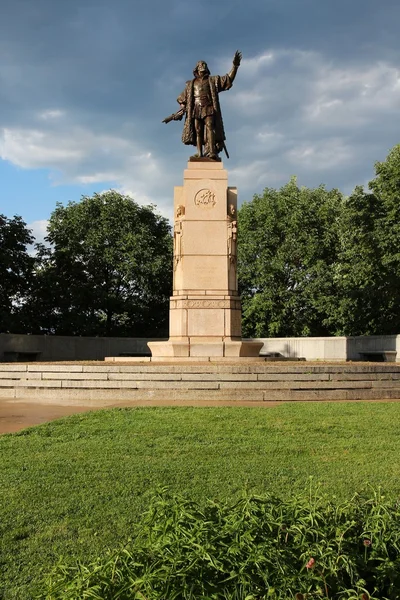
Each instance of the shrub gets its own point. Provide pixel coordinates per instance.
(303, 548)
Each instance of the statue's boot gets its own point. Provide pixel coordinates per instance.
(199, 145)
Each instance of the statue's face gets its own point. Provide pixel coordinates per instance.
(202, 67)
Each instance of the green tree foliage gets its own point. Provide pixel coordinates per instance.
(107, 271)
(312, 262)
(368, 275)
(287, 253)
(386, 188)
(359, 276)
(16, 269)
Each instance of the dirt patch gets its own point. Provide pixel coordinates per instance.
(15, 416)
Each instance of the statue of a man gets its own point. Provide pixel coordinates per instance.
(204, 127)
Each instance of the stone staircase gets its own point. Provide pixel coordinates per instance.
(104, 384)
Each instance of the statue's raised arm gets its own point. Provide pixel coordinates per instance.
(236, 64)
(200, 103)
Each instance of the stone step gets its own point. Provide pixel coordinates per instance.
(7, 379)
(111, 397)
(348, 369)
(245, 382)
(177, 381)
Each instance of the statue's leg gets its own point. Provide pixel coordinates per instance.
(209, 124)
(199, 136)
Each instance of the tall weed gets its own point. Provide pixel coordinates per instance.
(305, 548)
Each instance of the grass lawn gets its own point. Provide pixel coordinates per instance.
(77, 485)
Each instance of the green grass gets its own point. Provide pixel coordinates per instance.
(74, 486)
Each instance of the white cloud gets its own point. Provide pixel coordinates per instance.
(81, 156)
(33, 149)
(321, 155)
(39, 230)
(297, 113)
(75, 151)
(290, 112)
(250, 67)
(354, 96)
(262, 173)
(51, 114)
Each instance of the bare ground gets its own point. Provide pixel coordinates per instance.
(16, 415)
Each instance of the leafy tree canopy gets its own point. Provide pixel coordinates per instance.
(107, 271)
(287, 252)
(16, 270)
(368, 274)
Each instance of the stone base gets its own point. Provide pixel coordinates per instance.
(204, 349)
(205, 313)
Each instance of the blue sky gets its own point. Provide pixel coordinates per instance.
(85, 84)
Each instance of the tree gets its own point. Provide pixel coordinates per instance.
(386, 189)
(108, 269)
(314, 263)
(16, 271)
(287, 252)
(359, 276)
(368, 276)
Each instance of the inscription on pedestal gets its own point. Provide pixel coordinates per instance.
(205, 199)
(205, 303)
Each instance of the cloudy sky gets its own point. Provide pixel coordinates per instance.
(85, 84)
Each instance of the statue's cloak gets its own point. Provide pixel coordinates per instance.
(218, 84)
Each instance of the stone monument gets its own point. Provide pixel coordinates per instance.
(205, 312)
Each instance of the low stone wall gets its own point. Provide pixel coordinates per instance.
(331, 348)
(358, 345)
(70, 348)
(55, 347)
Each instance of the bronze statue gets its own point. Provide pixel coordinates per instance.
(204, 127)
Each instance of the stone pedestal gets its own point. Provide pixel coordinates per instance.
(205, 313)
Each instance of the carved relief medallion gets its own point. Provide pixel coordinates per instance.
(205, 199)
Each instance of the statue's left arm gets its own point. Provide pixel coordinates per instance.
(236, 64)
(225, 82)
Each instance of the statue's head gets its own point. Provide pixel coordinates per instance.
(201, 69)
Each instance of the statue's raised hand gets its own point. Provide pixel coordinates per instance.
(237, 58)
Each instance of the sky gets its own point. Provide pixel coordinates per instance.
(85, 84)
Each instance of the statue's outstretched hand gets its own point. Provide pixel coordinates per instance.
(237, 58)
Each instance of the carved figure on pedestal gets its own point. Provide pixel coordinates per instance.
(177, 242)
(180, 211)
(204, 126)
(232, 240)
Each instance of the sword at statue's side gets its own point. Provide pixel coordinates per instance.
(178, 116)
(226, 151)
